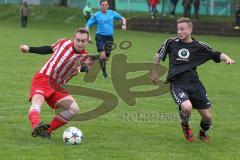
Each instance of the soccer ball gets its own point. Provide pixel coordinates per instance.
(72, 135)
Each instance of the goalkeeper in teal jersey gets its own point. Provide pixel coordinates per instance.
(87, 11)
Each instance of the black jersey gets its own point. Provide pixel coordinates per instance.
(185, 57)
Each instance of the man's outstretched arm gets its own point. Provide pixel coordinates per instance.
(225, 58)
(124, 24)
(38, 50)
(154, 74)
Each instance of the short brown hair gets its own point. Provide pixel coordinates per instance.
(102, 1)
(83, 30)
(185, 20)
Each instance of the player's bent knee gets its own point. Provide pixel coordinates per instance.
(74, 109)
(186, 106)
(38, 99)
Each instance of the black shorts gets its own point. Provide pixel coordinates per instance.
(193, 91)
(104, 43)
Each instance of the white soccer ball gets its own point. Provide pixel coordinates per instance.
(72, 135)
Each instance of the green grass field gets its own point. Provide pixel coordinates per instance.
(113, 135)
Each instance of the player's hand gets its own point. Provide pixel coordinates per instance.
(154, 78)
(94, 57)
(124, 27)
(102, 55)
(24, 48)
(90, 40)
(230, 61)
(89, 37)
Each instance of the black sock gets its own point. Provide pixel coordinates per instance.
(204, 126)
(103, 65)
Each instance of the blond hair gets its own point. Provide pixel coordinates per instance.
(185, 20)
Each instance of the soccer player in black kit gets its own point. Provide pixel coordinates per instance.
(185, 54)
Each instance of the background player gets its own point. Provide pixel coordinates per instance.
(104, 33)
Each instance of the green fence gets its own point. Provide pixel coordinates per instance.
(11, 1)
(208, 7)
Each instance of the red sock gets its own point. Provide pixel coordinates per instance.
(57, 122)
(34, 118)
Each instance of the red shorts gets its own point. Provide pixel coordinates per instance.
(43, 85)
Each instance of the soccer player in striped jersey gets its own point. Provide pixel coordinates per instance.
(69, 57)
(185, 55)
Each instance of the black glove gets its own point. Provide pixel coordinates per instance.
(84, 68)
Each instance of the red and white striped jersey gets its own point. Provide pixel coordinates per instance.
(64, 62)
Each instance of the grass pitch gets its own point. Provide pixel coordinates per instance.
(127, 132)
